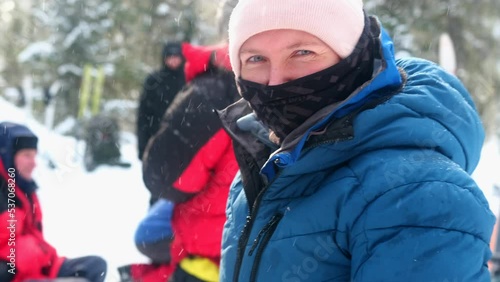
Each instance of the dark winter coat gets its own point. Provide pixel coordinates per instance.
(158, 92)
(376, 189)
(21, 236)
(191, 162)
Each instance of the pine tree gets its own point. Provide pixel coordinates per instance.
(125, 36)
(17, 34)
(78, 33)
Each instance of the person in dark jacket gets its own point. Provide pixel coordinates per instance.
(371, 179)
(24, 253)
(158, 92)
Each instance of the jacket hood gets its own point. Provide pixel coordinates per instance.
(9, 134)
(433, 111)
(200, 59)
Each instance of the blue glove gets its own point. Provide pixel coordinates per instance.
(157, 225)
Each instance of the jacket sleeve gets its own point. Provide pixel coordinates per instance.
(32, 255)
(432, 231)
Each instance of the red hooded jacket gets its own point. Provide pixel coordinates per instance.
(21, 237)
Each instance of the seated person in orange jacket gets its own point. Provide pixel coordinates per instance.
(24, 253)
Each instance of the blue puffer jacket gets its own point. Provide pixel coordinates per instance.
(389, 198)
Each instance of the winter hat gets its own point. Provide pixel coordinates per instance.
(24, 142)
(172, 49)
(338, 23)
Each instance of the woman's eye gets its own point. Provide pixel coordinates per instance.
(303, 52)
(255, 59)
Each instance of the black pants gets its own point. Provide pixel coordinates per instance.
(5, 276)
(92, 268)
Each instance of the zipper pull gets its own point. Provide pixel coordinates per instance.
(273, 220)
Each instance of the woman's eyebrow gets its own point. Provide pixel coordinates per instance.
(302, 45)
(249, 51)
(252, 51)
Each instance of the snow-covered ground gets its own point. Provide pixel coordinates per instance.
(97, 213)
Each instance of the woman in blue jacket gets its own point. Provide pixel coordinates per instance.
(365, 175)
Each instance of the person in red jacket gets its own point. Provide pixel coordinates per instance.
(190, 162)
(24, 253)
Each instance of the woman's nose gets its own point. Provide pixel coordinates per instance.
(277, 75)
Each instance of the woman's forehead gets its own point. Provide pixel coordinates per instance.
(284, 38)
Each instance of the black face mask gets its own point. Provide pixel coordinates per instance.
(285, 107)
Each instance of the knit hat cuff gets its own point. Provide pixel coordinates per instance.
(24, 142)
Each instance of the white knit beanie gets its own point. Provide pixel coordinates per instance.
(338, 23)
